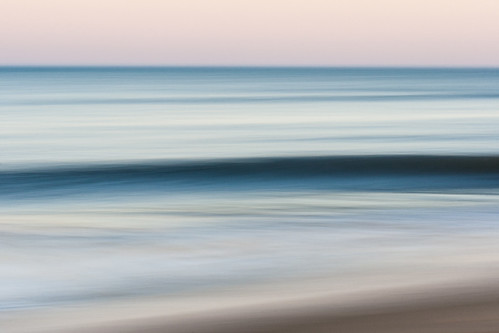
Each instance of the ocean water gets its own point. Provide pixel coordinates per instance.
(128, 183)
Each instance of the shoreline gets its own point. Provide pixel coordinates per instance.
(472, 316)
(465, 316)
(456, 308)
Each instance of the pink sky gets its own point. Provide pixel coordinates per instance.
(250, 32)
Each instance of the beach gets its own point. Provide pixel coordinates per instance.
(455, 308)
(463, 316)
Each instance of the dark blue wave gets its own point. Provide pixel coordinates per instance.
(346, 172)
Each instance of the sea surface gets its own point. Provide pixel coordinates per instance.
(127, 183)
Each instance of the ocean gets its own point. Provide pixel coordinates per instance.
(127, 184)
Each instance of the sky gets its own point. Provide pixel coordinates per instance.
(250, 32)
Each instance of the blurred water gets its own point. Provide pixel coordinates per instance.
(131, 182)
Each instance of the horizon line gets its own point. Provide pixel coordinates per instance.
(250, 66)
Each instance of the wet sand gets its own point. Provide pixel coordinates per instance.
(457, 312)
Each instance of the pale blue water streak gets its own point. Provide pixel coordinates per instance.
(129, 182)
(73, 114)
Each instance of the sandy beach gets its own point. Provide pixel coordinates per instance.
(457, 309)
(471, 315)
